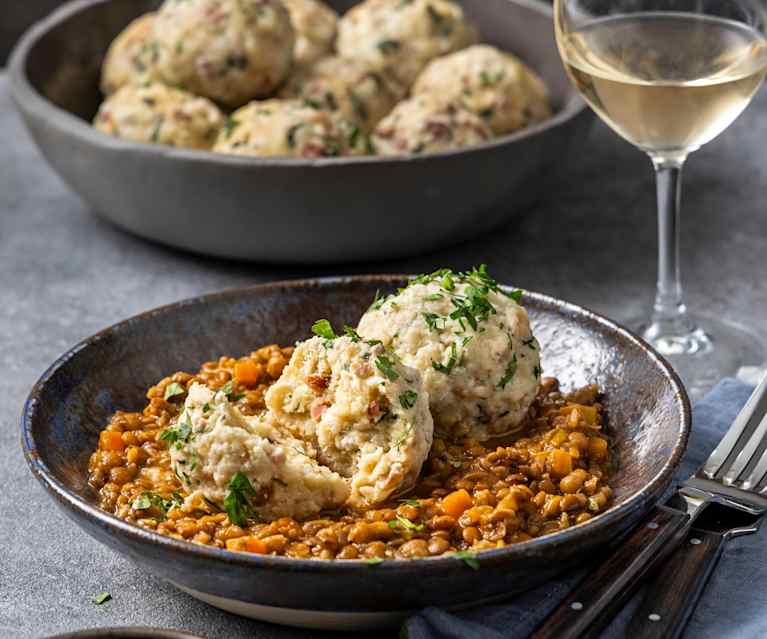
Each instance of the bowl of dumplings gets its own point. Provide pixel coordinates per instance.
(300, 131)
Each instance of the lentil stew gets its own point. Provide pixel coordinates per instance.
(470, 496)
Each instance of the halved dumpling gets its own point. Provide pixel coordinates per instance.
(365, 412)
(247, 465)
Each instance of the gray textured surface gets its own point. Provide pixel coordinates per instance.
(64, 275)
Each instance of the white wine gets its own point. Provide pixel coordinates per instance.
(667, 82)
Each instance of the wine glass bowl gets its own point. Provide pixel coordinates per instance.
(669, 76)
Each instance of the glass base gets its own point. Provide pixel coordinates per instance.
(703, 350)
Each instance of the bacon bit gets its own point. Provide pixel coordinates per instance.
(362, 369)
(318, 407)
(318, 383)
(374, 409)
(438, 130)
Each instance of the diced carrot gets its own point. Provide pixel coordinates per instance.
(247, 372)
(561, 462)
(456, 502)
(111, 440)
(587, 413)
(559, 436)
(597, 448)
(246, 544)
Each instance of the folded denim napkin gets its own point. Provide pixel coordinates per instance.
(734, 603)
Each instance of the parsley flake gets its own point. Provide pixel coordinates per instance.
(469, 558)
(508, 374)
(101, 598)
(408, 399)
(173, 389)
(322, 328)
(386, 366)
(388, 46)
(353, 335)
(237, 501)
(405, 523)
(451, 362)
(411, 502)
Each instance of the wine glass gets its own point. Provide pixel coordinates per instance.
(669, 76)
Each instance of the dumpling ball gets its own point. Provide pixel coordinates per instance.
(246, 465)
(365, 412)
(472, 344)
(131, 57)
(230, 51)
(315, 25)
(496, 86)
(288, 128)
(403, 34)
(361, 94)
(160, 115)
(425, 125)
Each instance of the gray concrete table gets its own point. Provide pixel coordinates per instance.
(64, 275)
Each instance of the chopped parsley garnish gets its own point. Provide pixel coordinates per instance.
(469, 558)
(386, 366)
(433, 321)
(516, 295)
(374, 561)
(322, 328)
(451, 362)
(408, 399)
(537, 371)
(530, 343)
(403, 438)
(378, 301)
(205, 408)
(237, 501)
(229, 126)
(353, 335)
(173, 389)
(178, 434)
(149, 499)
(447, 282)
(433, 297)
(508, 374)
(388, 46)
(101, 598)
(228, 390)
(411, 502)
(405, 523)
(489, 79)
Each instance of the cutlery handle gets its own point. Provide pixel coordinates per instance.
(601, 594)
(674, 590)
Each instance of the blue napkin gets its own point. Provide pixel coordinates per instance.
(734, 603)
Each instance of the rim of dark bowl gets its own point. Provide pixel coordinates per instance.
(125, 632)
(567, 536)
(25, 93)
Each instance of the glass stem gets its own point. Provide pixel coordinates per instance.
(669, 318)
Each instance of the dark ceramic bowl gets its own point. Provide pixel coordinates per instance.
(648, 411)
(287, 210)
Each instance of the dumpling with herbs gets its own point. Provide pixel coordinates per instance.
(473, 345)
(289, 128)
(365, 412)
(494, 85)
(160, 115)
(246, 465)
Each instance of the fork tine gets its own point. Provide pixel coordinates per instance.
(757, 402)
(759, 471)
(746, 455)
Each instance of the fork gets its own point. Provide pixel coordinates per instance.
(730, 484)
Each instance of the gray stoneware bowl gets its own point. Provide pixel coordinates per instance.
(126, 632)
(287, 210)
(648, 412)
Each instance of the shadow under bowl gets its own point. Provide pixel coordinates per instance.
(648, 411)
(288, 210)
